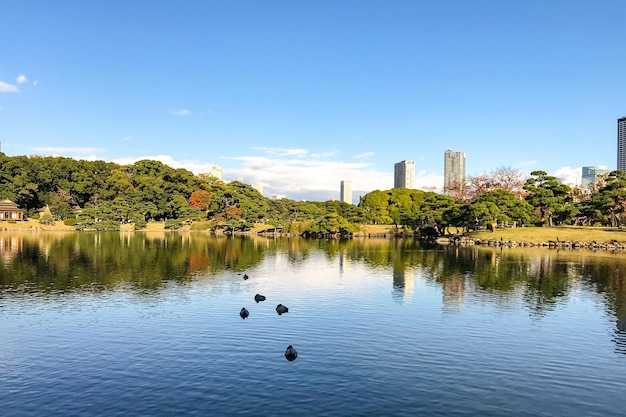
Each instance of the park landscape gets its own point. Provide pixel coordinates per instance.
(58, 193)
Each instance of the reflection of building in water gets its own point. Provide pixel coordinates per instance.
(453, 290)
(344, 262)
(403, 286)
(10, 246)
(541, 266)
(620, 332)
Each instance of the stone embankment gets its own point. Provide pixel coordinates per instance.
(557, 244)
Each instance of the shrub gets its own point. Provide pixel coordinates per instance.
(69, 222)
(205, 225)
(173, 224)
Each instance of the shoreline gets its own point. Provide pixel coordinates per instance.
(551, 244)
(563, 237)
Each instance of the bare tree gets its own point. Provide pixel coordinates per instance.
(507, 178)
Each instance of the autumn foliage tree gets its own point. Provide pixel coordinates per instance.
(200, 200)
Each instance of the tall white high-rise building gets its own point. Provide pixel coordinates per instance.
(259, 187)
(404, 174)
(215, 171)
(453, 170)
(621, 144)
(345, 192)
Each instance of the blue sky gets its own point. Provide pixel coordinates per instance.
(299, 95)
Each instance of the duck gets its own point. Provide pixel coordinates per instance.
(291, 354)
(280, 309)
(244, 313)
(259, 297)
(245, 276)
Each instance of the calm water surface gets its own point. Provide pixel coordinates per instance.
(148, 324)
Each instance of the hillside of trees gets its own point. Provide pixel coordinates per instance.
(103, 195)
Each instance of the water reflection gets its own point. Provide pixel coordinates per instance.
(541, 280)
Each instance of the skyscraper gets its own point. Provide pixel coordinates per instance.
(590, 176)
(404, 174)
(215, 171)
(453, 170)
(345, 193)
(621, 143)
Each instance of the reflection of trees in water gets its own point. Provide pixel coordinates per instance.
(49, 262)
(504, 275)
(607, 276)
(540, 279)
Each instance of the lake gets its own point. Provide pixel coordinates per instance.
(147, 324)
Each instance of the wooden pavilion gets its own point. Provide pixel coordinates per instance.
(10, 211)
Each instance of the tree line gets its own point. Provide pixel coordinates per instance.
(104, 195)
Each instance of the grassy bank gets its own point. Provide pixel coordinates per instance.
(521, 234)
(562, 233)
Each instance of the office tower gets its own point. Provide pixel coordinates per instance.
(404, 174)
(453, 170)
(215, 171)
(345, 192)
(590, 176)
(621, 144)
(259, 187)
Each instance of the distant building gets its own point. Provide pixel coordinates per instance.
(621, 144)
(10, 211)
(404, 174)
(259, 187)
(345, 192)
(590, 176)
(215, 171)
(453, 170)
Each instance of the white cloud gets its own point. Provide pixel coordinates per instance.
(282, 151)
(181, 112)
(324, 154)
(292, 173)
(364, 155)
(526, 163)
(568, 175)
(87, 154)
(36, 82)
(191, 165)
(21, 79)
(127, 138)
(8, 88)
(319, 180)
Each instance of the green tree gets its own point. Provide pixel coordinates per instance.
(609, 203)
(551, 200)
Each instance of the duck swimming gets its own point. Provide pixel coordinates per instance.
(245, 276)
(244, 313)
(280, 309)
(291, 354)
(259, 297)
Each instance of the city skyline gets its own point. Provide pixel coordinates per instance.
(296, 96)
